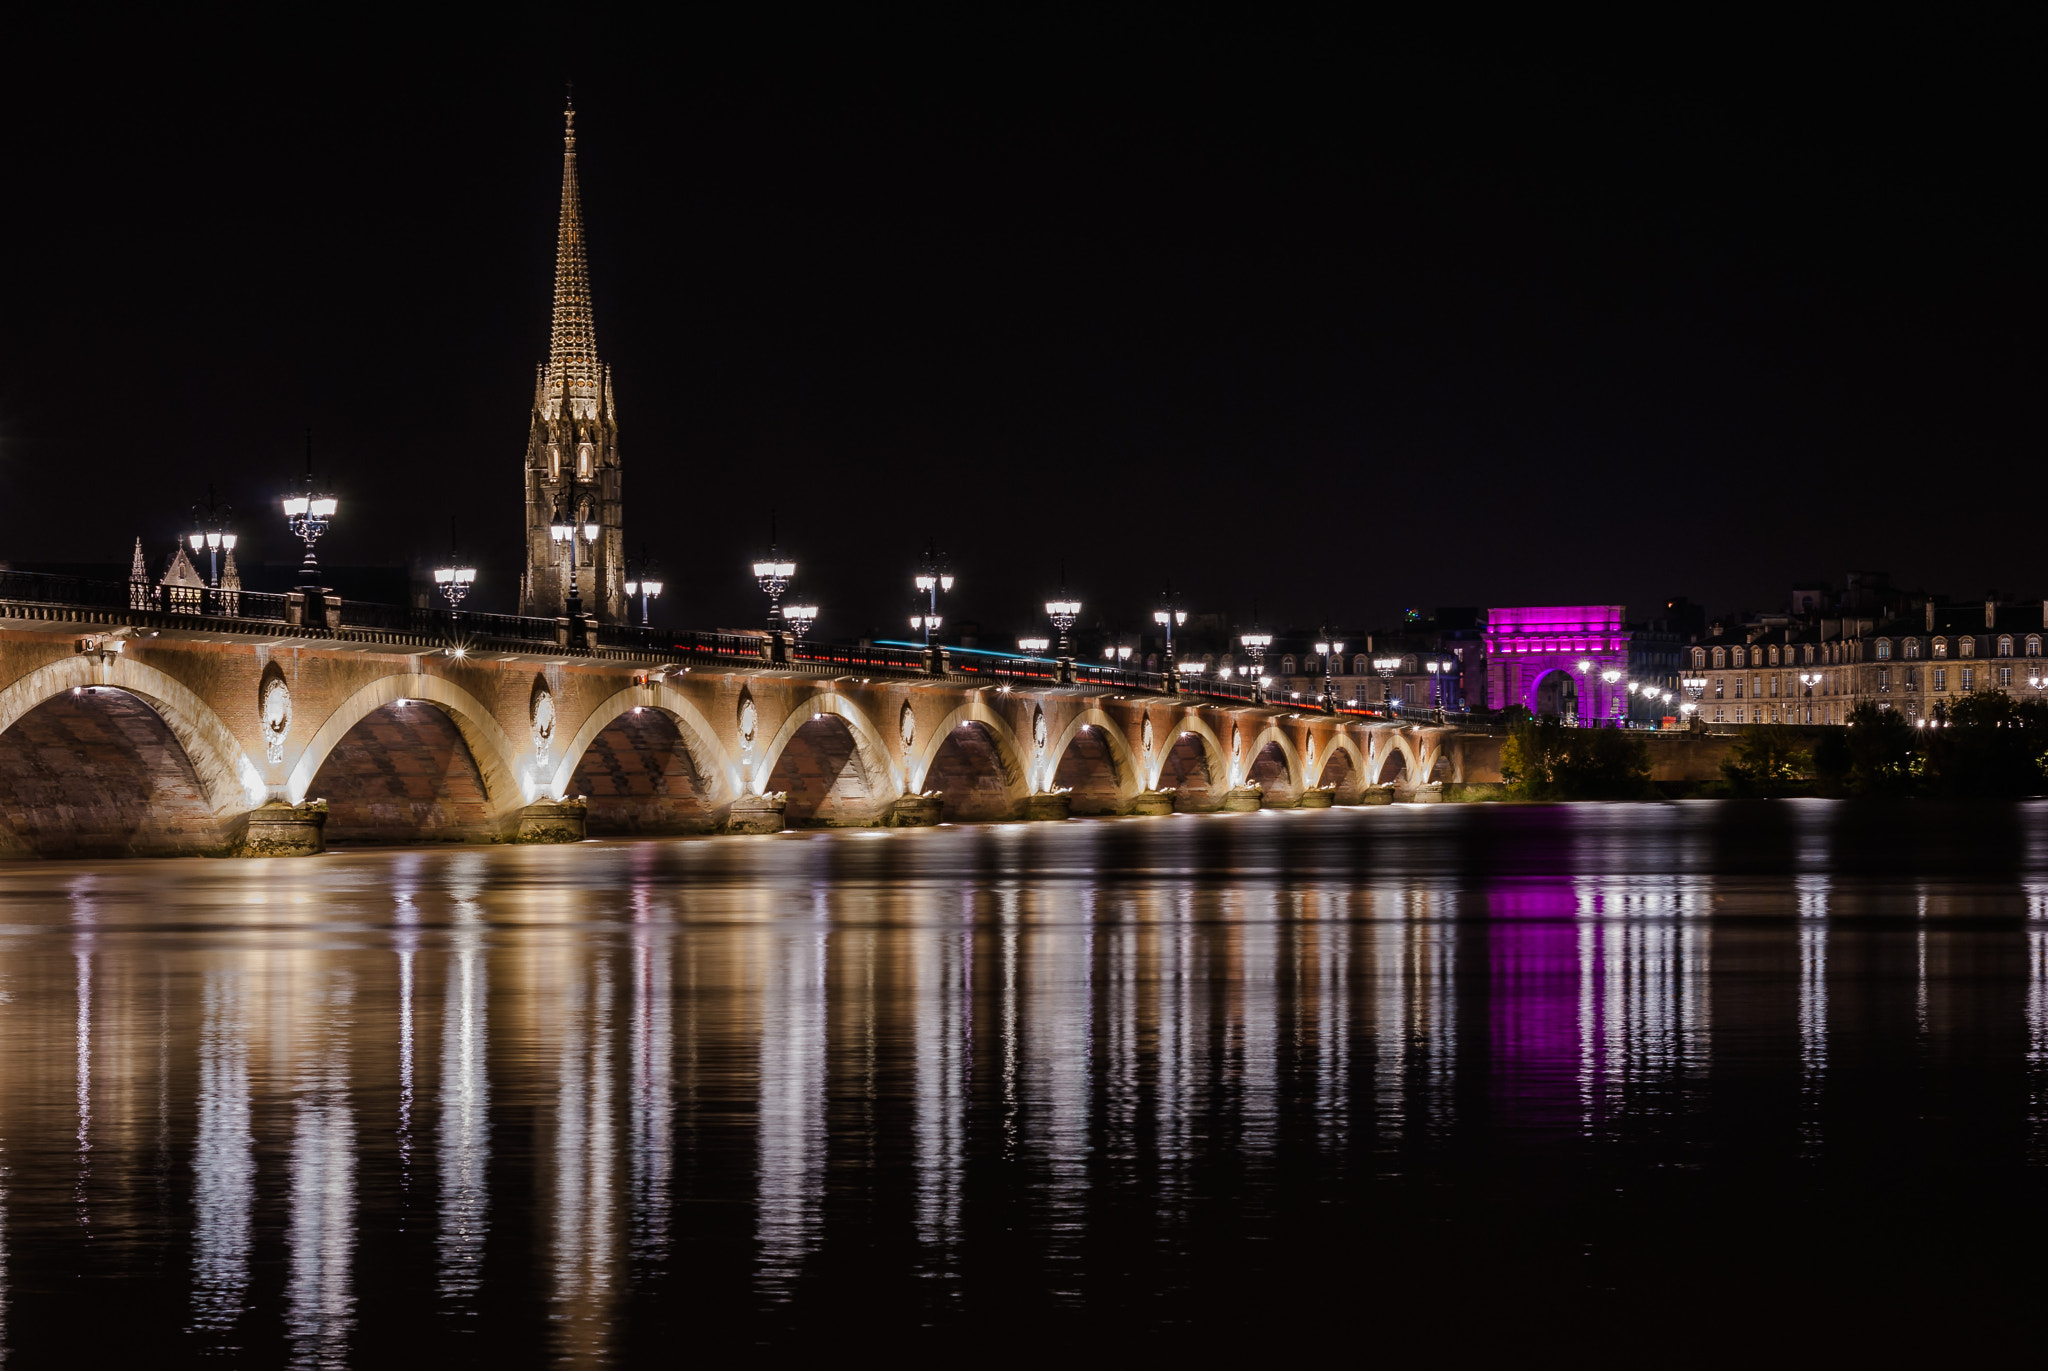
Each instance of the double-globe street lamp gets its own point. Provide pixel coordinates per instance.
(1169, 616)
(1256, 643)
(934, 574)
(1329, 649)
(1063, 613)
(1612, 676)
(308, 514)
(454, 577)
(210, 531)
(773, 574)
(644, 580)
(1694, 686)
(1386, 667)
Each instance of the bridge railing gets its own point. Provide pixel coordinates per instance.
(851, 657)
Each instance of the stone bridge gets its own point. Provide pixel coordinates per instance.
(147, 733)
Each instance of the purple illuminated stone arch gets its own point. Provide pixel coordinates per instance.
(1526, 643)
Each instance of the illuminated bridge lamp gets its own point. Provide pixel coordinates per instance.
(308, 514)
(210, 531)
(800, 619)
(934, 574)
(773, 574)
(1063, 613)
(1386, 667)
(1328, 651)
(1611, 675)
(1169, 615)
(1033, 645)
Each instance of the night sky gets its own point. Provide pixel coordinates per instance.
(1330, 319)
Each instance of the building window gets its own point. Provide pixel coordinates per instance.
(1912, 648)
(1884, 649)
(1720, 659)
(1717, 690)
(2005, 646)
(1912, 677)
(2033, 646)
(1740, 658)
(1699, 658)
(2004, 677)
(1718, 716)
(1941, 678)
(583, 460)
(1359, 665)
(554, 462)
(1286, 666)
(1913, 709)
(1941, 647)
(1738, 687)
(1969, 680)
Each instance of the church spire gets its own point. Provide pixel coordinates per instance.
(572, 351)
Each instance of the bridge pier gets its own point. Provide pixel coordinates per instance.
(552, 821)
(285, 830)
(1316, 798)
(1244, 799)
(1153, 802)
(756, 814)
(1056, 805)
(915, 811)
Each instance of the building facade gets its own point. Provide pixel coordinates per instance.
(572, 446)
(1917, 664)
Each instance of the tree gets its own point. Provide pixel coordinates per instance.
(1766, 761)
(1989, 746)
(1877, 754)
(1544, 760)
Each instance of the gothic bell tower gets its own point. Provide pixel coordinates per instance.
(572, 447)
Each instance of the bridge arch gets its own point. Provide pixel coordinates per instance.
(1340, 744)
(1386, 744)
(508, 784)
(1122, 762)
(1214, 756)
(1291, 769)
(228, 780)
(882, 778)
(1008, 756)
(699, 738)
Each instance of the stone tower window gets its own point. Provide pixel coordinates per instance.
(583, 461)
(554, 462)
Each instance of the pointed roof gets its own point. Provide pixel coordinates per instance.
(572, 344)
(138, 570)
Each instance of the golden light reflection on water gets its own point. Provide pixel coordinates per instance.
(564, 1071)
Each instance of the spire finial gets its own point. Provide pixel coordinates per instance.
(572, 344)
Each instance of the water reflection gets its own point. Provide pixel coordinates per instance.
(967, 1074)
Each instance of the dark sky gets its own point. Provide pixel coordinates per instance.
(1340, 318)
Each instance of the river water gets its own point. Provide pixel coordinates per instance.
(1613, 1076)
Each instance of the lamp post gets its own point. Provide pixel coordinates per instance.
(1612, 675)
(210, 531)
(773, 574)
(1036, 646)
(308, 514)
(1169, 615)
(1386, 666)
(454, 577)
(934, 574)
(1328, 651)
(1809, 679)
(573, 524)
(1256, 643)
(1694, 686)
(646, 583)
(1063, 613)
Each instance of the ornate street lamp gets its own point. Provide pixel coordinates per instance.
(308, 514)
(800, 618)
(773, 574)
(1035, 646)
(1386, 667)
(1809, 679)
(646, 583)
(573, 523)
(934, 574)
(210, 531)
(1328, 650)
(1063, 613)
(1611, 675)
(455, 576)
(1694, 686)
(1169, 615)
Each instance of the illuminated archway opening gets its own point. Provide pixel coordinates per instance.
(1394, 770)
(1268, 771)
(402, 774)
(1341, 773)
(1088, 768)
(1185, 770)
(968, 770)
(96, 773)
(640, 778)
(821, 773)
(1557, 696)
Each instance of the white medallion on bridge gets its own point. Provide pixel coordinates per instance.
(543, 722)
(909, 726)
(1236, 756)
(1148, 740)
(277, 717)
(1038, 733)
(1311, 767)
(750, 723)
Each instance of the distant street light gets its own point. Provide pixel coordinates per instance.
(1033, 645)
(800, 618)
(455, 576)
(1063, 613)
(1611, 675)
(773, 574)
(934, 574)
(646, 584)
(1328, 650)
(1169, 616)
(1386, 667)
(210, 531)
(308, 514)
